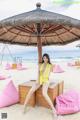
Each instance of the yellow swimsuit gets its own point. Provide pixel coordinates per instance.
(44, 77)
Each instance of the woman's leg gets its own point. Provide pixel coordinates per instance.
(32, 90)
(45, 94)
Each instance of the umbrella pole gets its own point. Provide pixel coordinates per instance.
(39, 44)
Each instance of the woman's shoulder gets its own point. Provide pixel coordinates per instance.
(50, 64)
(51, 67)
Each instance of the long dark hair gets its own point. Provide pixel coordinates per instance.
(47, 56)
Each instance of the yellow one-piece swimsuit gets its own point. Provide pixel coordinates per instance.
(44, 77)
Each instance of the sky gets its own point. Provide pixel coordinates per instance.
(12, 7)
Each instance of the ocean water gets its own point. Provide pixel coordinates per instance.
(32, 56)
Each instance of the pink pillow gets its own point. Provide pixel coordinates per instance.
(71, 64)
(2, 77)
(8, 66)
(20, 67)
(9, 95)
(57, 69)
(68, 103)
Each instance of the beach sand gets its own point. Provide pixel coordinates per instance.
(71, 78)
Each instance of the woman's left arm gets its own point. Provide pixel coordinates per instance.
(51, 70)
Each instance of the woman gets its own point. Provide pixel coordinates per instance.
(43, 79)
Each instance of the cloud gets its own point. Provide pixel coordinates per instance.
(20, 49)
(12, 7)
(63, 3)
(6, 49)
(73, 11)
(71, 46)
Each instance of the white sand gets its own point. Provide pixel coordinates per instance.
(71, 78)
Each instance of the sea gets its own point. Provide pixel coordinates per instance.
(32, 56)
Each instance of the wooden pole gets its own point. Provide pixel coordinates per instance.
(39, 43)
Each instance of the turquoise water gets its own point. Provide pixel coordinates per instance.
(33, 55)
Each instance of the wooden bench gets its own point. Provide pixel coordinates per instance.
(23, 91)
(54, 90)
(60, 87)
(14, 66)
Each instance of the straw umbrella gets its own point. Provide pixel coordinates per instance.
(38, 28)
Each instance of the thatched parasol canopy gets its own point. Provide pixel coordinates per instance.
(39, 27)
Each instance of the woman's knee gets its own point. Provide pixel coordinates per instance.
(45, 89)
(44, 92)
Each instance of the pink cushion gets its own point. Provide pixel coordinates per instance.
(20, 67)
(68, 103)
(8, 66)
(9, 95)
(71, 64)
(57, 69)
(2, 77)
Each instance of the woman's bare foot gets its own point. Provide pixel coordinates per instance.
(55, 116)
